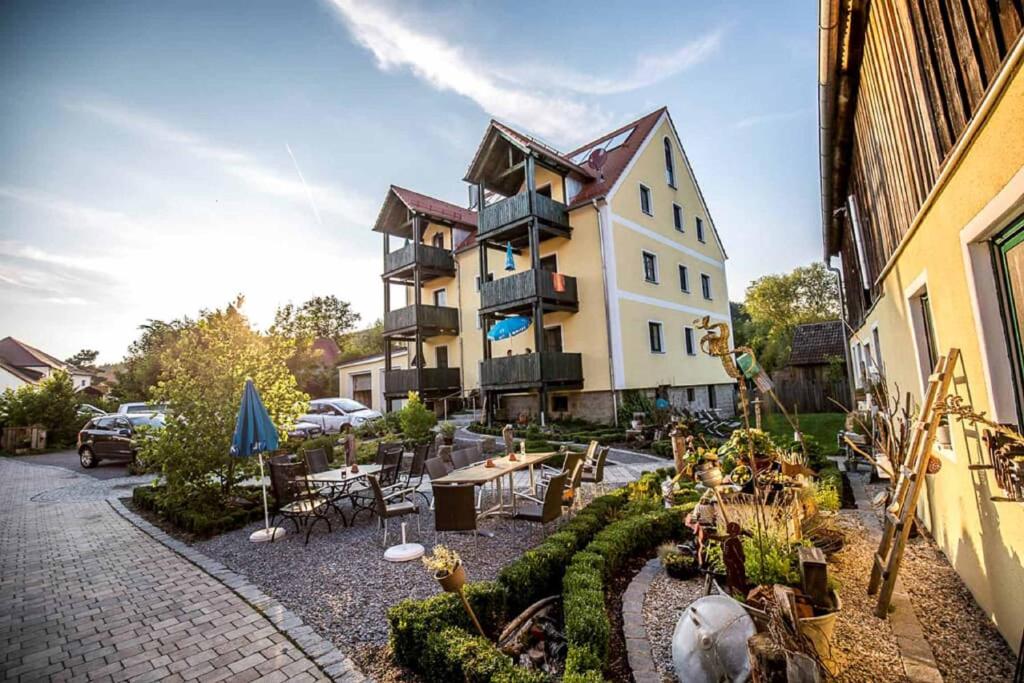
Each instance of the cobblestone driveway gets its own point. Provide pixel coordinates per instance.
(87, 596)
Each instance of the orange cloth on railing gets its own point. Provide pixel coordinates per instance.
(558, 280)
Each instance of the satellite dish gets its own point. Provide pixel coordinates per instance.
(597, 158)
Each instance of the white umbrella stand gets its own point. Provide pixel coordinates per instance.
(268, 533)
(404, 552)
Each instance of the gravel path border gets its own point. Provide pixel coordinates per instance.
(638, 646)
(324, 654)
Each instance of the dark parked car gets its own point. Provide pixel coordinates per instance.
(113, 437)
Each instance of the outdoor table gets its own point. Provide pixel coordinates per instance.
(338, 480)
(480, 474)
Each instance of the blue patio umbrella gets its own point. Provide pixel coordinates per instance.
(509, 327)
(510, 263)
(255, 433)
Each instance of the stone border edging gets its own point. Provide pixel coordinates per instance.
(638, 646)
(331, 661)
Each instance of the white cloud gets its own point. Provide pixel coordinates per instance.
(772, 117)
(72, 213)
(254, 174)
(532, 96)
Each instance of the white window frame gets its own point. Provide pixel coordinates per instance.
(439, 291)
(876, 341)
(684, 269)
(681, 226)
(650, 200)
(657, 268)
(916, 321)
(698, 227)
(661, 336)
(670, 162)
(709, 295)
(689, 341)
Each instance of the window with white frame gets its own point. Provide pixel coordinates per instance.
(705, 285)
(650, 266)
(684, 278)
(670, 167)
(699, 222)
(646, 201)
(677, 217)
(656, 337)
(691, 346)
(879, 365)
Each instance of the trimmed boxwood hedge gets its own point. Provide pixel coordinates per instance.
(201, 520)
(435, 636)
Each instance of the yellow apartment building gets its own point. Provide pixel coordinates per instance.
(922, 166)
(609, 247)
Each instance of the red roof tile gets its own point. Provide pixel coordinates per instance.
(435, 207)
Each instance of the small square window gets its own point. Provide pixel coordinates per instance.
(700, 229)
(559, 404)
(650, 267)
(684, 278)
(691, 347)
(656, 339)
(677, 217)
(705, 286)
(646, 205)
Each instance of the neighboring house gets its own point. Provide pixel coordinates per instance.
(362, 379)
(922, 164)
(814, 379)
(614, 252)
(35, 365)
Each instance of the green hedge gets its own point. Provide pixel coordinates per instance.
(200, 518)
(415, 624)
(587, 627)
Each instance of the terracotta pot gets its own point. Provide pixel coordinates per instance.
(820, 631)
(711, 476)
(453, 582)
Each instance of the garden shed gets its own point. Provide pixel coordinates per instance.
(815, 378)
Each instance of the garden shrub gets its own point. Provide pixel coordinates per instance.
(416, 420)
(327, 442)
(452, 654)
(203, 516)
(52, 404)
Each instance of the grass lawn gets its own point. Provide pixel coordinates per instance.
(822, 426)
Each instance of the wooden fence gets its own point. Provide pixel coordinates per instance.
(810, 389)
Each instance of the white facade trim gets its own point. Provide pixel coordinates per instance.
(646, 232)
(917, 327)
(604, 223)
(671, 305)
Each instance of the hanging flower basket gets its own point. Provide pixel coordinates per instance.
(453, 581)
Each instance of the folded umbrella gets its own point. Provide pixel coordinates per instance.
(255, 433)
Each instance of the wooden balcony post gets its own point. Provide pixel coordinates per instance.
(417, 234)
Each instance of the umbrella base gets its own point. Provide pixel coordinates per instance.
(265, 535)
(406, 552)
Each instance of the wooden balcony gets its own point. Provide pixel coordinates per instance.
(434, 382)
(509, 219)
(433, 262)
(552, 369)
(518, 292)
(430, 321)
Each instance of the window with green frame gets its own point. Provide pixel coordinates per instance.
(1008, 254)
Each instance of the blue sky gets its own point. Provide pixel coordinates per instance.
(160, 158)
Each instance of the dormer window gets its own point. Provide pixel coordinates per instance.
(670, 167)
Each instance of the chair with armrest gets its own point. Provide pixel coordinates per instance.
(595, 475)
(391, 503)
(454, 508)
(296, 499)
(543, 510)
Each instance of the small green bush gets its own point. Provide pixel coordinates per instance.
(417, 421)
(452, 654)
(203, 516)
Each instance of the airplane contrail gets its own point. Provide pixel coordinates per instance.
(309, 193)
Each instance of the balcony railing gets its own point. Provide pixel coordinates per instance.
(523, 288)
(435, 381)
(433, 320)
(552, 368)
(433, 259)
(516, 208)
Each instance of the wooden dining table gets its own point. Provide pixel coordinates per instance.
(480, 474)
(342, 475)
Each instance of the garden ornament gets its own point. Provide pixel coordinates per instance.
(709, 644)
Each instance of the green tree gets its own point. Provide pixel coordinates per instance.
(85, 358)
(51, 404)
(321, 316)
(416, 419)
(778, 303)
(203, 374)
(143, 365)
(365, 342)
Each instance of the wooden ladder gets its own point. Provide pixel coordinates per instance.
(899, 515)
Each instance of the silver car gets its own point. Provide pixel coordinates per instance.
(335, 415)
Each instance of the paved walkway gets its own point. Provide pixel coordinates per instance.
(85, 595)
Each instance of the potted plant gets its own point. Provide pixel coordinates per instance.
(447, 431)
(677, 564)
(447, 567)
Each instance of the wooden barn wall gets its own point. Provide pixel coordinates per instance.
(809, 389)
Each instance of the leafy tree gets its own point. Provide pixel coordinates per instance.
(416, 419)
(321, 316)
(142, 367)
(742, 332)
(51, 404)
(365, 342)
(776, 304)
(83, 359)
(202, 376)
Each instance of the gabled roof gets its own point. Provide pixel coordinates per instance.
(21, 355)
(24, 374)
(399, 201)
(618, 158)
(816, 343)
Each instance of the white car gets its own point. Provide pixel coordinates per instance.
(336, 415)
(141, 407)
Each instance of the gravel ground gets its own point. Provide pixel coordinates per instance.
(665, 601)
(341, 585)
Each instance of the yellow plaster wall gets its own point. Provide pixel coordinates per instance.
(983, 540)
(375, 367)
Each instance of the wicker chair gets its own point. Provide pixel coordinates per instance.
(394, 503)
(296, 499)
(542, 510)
(413, 477)
(316, 460)
(461, 458)
(572, 458)
(595, 475)
(389, 457)
(454, 509)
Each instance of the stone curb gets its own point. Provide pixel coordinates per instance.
(331, 661)
(638, 646)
